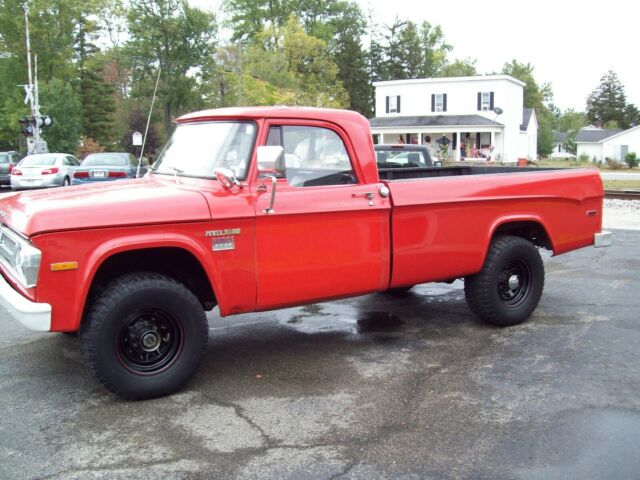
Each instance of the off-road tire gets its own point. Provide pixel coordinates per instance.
(130, 311)
(489, 293)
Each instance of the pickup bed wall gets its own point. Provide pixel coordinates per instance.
(441, 227)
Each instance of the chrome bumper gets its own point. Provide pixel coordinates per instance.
(602, 239)
(34, 316)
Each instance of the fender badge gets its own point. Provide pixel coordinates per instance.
(222, 233)
(224, 243)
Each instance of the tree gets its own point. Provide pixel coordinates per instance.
(178, 39)
(434, 50)
(392, 67)
(608, 102)
(569, 122)
(460, 68)
(62, 103)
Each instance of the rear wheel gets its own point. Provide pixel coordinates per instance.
(144, 336)
(508, 288)
(66, 182)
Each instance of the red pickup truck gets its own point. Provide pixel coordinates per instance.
(255, 209)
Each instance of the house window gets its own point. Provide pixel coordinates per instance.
(393, 104)
(439, 102)
(485, 101)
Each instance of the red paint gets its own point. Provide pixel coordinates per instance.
(322, 242)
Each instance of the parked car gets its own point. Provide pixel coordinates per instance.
(8, 160)
(101, 167)
(223, 220)
(44, 170)
(403, 156)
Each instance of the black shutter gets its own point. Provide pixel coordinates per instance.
(479, 101)
(387, 104)
(454, 144)
(444, 102)
(491, 101)
(398, 104)
(478, 140)
(433, 102)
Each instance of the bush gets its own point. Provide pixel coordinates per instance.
(631, 159)
(583, 158)
(614, 164)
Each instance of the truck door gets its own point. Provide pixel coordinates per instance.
(328, 234)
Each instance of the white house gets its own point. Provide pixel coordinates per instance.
(460, 117)
(600, 143)
(559, 150)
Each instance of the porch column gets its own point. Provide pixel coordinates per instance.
(493, 145)
(458, 153)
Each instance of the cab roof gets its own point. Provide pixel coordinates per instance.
(308, 113)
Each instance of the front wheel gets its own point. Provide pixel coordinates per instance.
(144, 336)
(508, 288)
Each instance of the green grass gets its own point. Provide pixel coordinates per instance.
(621, 184)
(548, 162)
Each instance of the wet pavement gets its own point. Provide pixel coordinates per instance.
(408, 386)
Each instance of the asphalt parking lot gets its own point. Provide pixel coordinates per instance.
(367, 388)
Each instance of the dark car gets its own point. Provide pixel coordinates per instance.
(8, 160)
(401, 156)
(102, 167)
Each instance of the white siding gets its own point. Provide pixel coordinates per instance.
(629, 138)
(593, 150)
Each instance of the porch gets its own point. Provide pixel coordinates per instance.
(449, 138)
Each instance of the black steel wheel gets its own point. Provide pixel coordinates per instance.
(150, 341)
(144, 335)
(508, 288)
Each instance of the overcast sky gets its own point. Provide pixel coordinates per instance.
(570, 43)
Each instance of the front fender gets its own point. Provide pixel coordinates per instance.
(231, 274)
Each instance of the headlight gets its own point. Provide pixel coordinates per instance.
(19, 257)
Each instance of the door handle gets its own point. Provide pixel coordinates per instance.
(368, 195)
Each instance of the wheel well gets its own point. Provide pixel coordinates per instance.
(173, 262)
(529, 230)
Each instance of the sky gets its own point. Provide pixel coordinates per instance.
(570, 43)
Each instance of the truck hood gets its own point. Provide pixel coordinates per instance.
(109, 204)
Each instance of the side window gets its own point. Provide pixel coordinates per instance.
(314, 156)
(68, 162)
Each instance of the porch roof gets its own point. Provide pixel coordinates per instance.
(433, 121)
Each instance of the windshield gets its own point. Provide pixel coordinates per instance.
(401, 158)
(38, 160)
(197, 149)
(106, 159)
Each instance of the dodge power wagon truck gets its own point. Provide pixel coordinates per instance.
(254, 209)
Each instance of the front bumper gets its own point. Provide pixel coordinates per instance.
(34, 316)
(602, 239)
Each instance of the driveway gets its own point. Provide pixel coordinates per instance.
(374, 387)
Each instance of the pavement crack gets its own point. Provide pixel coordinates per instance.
(240, 412)
(344, 471)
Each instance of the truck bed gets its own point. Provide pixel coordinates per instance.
(408, 173)
(441, 228)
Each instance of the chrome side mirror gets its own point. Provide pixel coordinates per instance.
(226, 177)
(271, 161)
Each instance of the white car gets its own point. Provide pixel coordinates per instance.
(44, 170)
